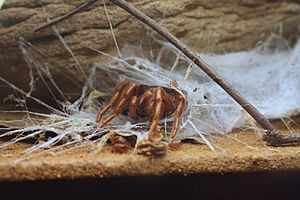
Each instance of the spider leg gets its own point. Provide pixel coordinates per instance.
(144, 97)
(136, 103)
(178, 113)
(112, 100)
(152, 136)
(144, 108)
(133, 107)
(119, 107)
(168, 101)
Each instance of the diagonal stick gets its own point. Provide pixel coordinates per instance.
(272, 137)
(62, 18)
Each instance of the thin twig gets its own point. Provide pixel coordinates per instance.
(62, 18)
(273, 136)
(112, 30)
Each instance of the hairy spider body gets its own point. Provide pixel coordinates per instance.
(144, 101)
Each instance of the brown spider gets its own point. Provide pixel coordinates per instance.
(143, 101)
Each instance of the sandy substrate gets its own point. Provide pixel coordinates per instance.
(236, 152)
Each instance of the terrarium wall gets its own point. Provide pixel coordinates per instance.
(206, 26)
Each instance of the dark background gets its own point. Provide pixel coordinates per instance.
(258, 185)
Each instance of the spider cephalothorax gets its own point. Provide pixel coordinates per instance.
(143, 101)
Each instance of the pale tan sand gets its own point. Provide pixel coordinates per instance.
(235, 152)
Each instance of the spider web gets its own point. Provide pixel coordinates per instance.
(273, 67)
